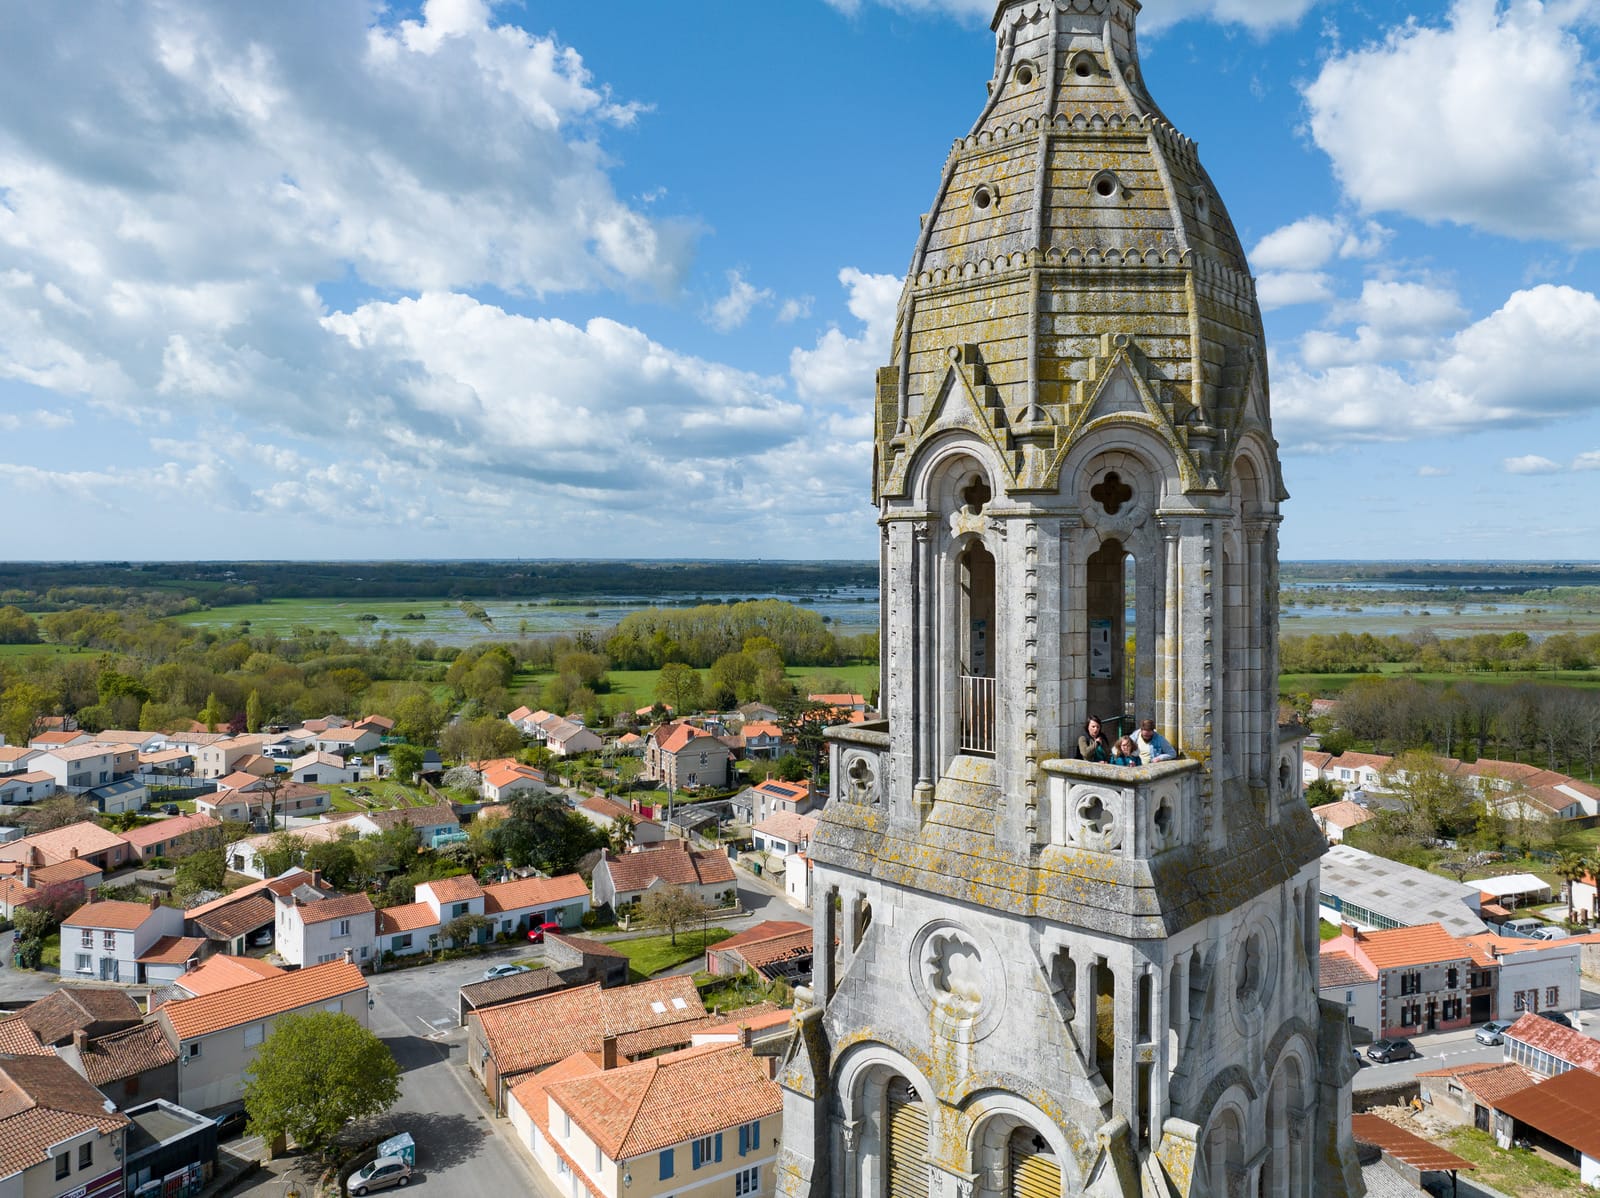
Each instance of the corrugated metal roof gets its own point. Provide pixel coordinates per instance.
(1563, 1108)
(1405, 1147)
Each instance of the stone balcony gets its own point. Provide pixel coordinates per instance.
(1132, 812)
(856, 762)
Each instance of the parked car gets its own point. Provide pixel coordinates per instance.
(382, 1173)
(1525, 926)
(1361, 1061)
(1491, 1033)
(536, 935)
(1554, 1017)
(1397, 1049)
(231, 1123)
(170, 809)
(502, 971)
(1549, 932)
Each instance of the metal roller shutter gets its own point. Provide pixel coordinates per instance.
(908, 1143)
(1035, 1176)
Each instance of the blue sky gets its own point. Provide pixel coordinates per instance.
(332, 279)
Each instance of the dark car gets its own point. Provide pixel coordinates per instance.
(1397, 1049)
(230, 1124)
(170, 809)
(536, 935)
(1554, 1017)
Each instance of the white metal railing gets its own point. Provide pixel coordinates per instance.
(977, 714)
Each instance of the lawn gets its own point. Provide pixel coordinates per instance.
(385, 794)
(1327, 930)
(50, 954)
(1517, 1171)
(632, 689)
(650, 955)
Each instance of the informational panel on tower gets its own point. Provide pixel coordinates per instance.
(1100, 649)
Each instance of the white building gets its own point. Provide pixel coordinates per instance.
(312, 926)
(105, 940)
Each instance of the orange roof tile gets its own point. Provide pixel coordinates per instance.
(533, 892)
(762, 931)
(458, 889)
(118, 915)
(126, 1054)
(42, 1103)
(17, 1039)
(173, 950)
(169, 829)
(408, 918)
(539, 1031)
(341, 907)
(672, 864)
(1392, 948)
(1569, 1044)
(223, 972)
(1341, 969)
(201, 1016)
(1562, 1107)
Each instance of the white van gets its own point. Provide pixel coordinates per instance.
(1526, 926)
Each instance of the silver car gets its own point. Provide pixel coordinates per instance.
(382, 1173)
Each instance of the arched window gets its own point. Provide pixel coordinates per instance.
(977, 650)
(1110, 663)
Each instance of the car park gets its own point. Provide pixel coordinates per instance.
(1396, 1049)
(502, 971)
(1491, 1033)
(382, 1173)
(536, 935)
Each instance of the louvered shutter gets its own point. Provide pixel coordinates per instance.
(694, 1154)
(908, 1144)
(1035, 1176)
(744, 1138)
(717, 1151)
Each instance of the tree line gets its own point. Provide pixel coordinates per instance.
(1484, 652)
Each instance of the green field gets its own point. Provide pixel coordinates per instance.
(650, 955)
(1332, 684)
(632, 689)
(42, 651)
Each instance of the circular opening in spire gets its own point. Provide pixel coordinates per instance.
(1025, 74)
(982, 198)
(1083, 66)
(1105, 187)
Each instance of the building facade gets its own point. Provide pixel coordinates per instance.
(1053, 976)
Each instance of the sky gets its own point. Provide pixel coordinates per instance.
(333, 279)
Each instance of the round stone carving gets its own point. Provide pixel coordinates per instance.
(861, 778)
(959, 977)
(1253, 969)
(1097, 824)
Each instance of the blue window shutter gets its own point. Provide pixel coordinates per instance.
(744, 1138)
(718, 1157)
(755, 1136)
(694, 1154)
(666, 1163)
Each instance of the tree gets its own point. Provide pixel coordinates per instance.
(679, 687)
(405, 761)
(542, 830)
(212, 713)
(464, 929)
(1571, 868)
(1433, 799)
(21, 705)
(1321, 791)
(479, 739)
(621, 834)
(282, 852)
(671, 907)
(254, 712)
(205, 869)
(61, 810)
(314, 1074)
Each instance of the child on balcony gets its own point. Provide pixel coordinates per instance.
(1125, 753)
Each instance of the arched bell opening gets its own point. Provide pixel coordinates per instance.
(883, 1132)
(1013, 1158)
(977, 650)
(1287, 1167)
(1222, 1163)
(1113, 638)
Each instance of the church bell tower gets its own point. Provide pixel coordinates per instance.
(1037, 975)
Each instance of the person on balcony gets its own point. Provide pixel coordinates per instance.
(1094, 744)
(1152, 746)
(1125, 753)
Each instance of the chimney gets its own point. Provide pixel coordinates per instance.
(608, 1053)
(80, 1040)
(74, 852)
(27, 876)
(316, 878)
(155, 902)
(1349, 931)
(350, 956)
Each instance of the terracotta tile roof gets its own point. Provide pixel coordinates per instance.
(1352, 761)
(512, 986)
(1318, 761)
(119, 915)
(309, 759)
(1341, 969)
(1343, 814)
(173, 950)
(454, 890)
(1425, 944)
(762, 931)
(26, 778)
(74, 869)
(50, 740)
(788, 826)
(9, 753)
(408, 918)
(126, 1054)
(43, 1102)
(238, 917)
(679, 737)
(672, 864)
(284, 992)
(375, 721)
(758, 1018)
(17, 1039)
(586, 946)
(1403, 1146)
(1563, 1108)
(779, 948)
(539, 1031)
(760, 728)
(1499, 1080)
(286, 884)
(666, 1100)
(239, 780)
(1509, 771)
(342, 907)
(83, 839)
(842, 700)
(1569, 1044)
(69, 1009)
(417, 817)
(533, 892)
(503, 774)
(164, 756)
(608, 807)
(223, 972)
(169, 829)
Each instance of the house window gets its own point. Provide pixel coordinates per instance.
(253, 1034)
(86, 1155)
(63, 1165)
(458, 909)
(194, 1050)
(749, 1137)
(343, 928)
(747, 1181)
(403, 941)
(707, 1150)
(85, 963)
(86, 938)
(1410, 983)
(598, 1160)
(108, 940)
(1552, 996)
(334, 1007)
(666, 1163)
(1452, 978)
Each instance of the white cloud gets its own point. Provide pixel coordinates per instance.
(732, 310)
(1257, 15)
(840, 368)
(794, 309)
(1285, 289)
(1528, 363)
(1398, 320)
(39, 418)
(1491, 120)
(1311, 242)
(1530, 464)
(1587, 461)
(1433, 472)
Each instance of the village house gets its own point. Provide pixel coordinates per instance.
(1428, 980)
(249, 855)
(683, 757)
(1586, 897)
(82, 767)
(772, 797)
(221, 972)
(170, 837)
(28, 786)
(313, 925)
(1556, 1117)
(169, 958)
(1469, 1093)
(526, 721)
(1335, 819)
(1545, 1048)
(216, 1035)
(14, 758)
(1353, 985)
(345, 743)
(797, 879)
(326, 769)
(783, 833)
(22, 883)
(763, 740)
(166, 767)
(246, 914)
(220, 758)
(625, 880)
(699, 1121)
(1533, 975)
(131, 1066)
(841, 703)
(605, 813)
(502, 779)
(85, 840)
(140, 742)
(431, 822)
(766, 941)
(68, 1011)
(104, 940)
(510, 907)
(566, 738)
(506, 1042)
(58, 1134)
(56, 738)
(251, 800)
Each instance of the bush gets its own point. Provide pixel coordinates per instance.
(29, 953)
